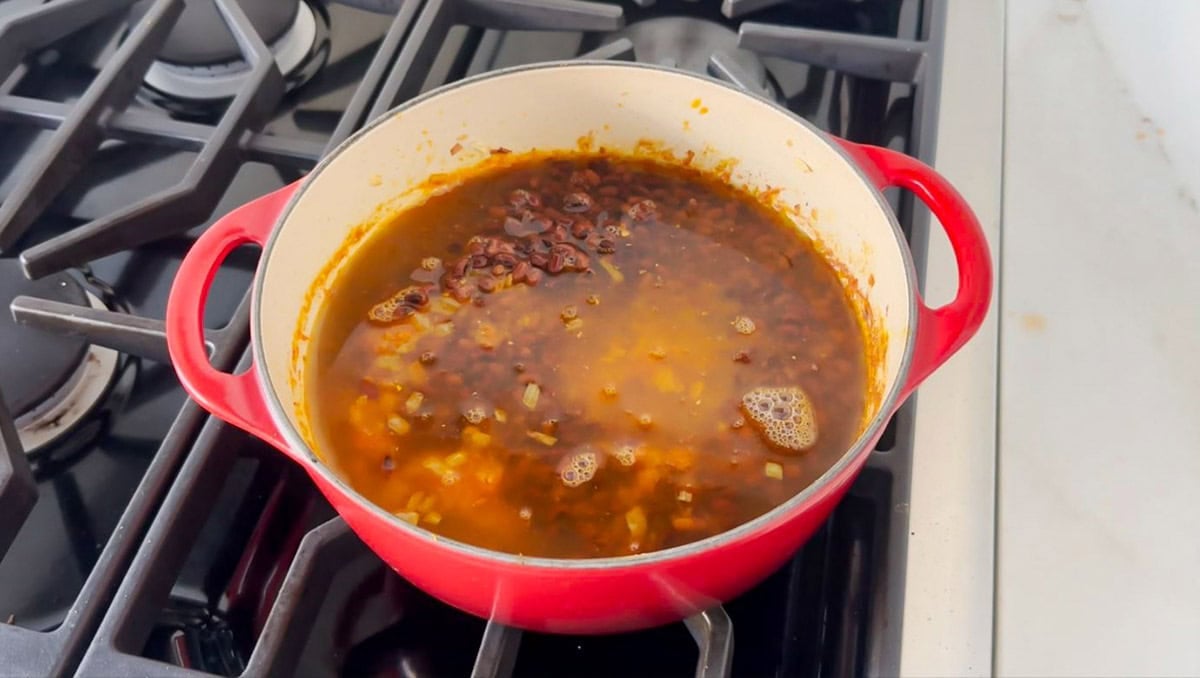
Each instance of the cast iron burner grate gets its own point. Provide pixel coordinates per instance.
(225, 560)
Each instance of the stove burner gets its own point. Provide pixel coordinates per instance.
(34, 364)
(696, 45)
(52, 381)
(193, 76)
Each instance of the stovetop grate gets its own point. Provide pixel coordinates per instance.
(846, 582)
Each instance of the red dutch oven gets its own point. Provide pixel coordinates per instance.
(829, 188)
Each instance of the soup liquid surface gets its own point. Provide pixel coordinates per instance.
(582, 356)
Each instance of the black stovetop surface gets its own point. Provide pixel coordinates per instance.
(159, 538)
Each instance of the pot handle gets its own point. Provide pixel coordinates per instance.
(940, 331)
(235, 398)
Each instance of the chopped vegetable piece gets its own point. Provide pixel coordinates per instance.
(530, 397)
(613, 272)
(409, 516)
(458, 458)
(684, 496)
(432, 518)
(542, 438)
(500, 415)
(473, 437)
(773, 470)
(399, 425)
(413, 404)
(635, 520)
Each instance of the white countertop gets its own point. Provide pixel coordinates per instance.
(1055, 512)
(1098, 541)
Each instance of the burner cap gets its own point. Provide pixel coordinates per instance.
(187, 80)
(201, 38)
(688, 43)
(35, 364)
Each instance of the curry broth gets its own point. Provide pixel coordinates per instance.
(586, 355)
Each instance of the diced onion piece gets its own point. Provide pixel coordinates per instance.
(473, 437)
(684, 496)
(456, 459)
(398, 425)
(413, 404)
(432, 518)
(501, 415)
(613, 272)
(409, 516)
(542, 438)
(635, 520)
(530, 397)
(773, 470)
(445, 304)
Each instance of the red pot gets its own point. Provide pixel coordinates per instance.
(829, 188)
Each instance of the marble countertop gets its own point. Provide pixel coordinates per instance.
(1055, 511)
(1098, 513)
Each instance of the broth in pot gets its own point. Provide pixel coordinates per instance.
(582, 355)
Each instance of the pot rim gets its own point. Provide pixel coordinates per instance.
(761, 524)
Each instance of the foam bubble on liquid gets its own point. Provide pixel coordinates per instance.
(474, 412)
(578, 467)
(626, 455)
(784, 414)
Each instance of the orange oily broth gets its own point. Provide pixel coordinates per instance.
(635, 436)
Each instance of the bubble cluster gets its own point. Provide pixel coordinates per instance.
(743, 325)
(578, 467)
(475, 415)
(784, 414)
(625, 455)
(390, 310)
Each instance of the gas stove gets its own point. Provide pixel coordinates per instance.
(139, 536)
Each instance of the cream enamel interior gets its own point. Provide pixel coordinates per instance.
(552, 107)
